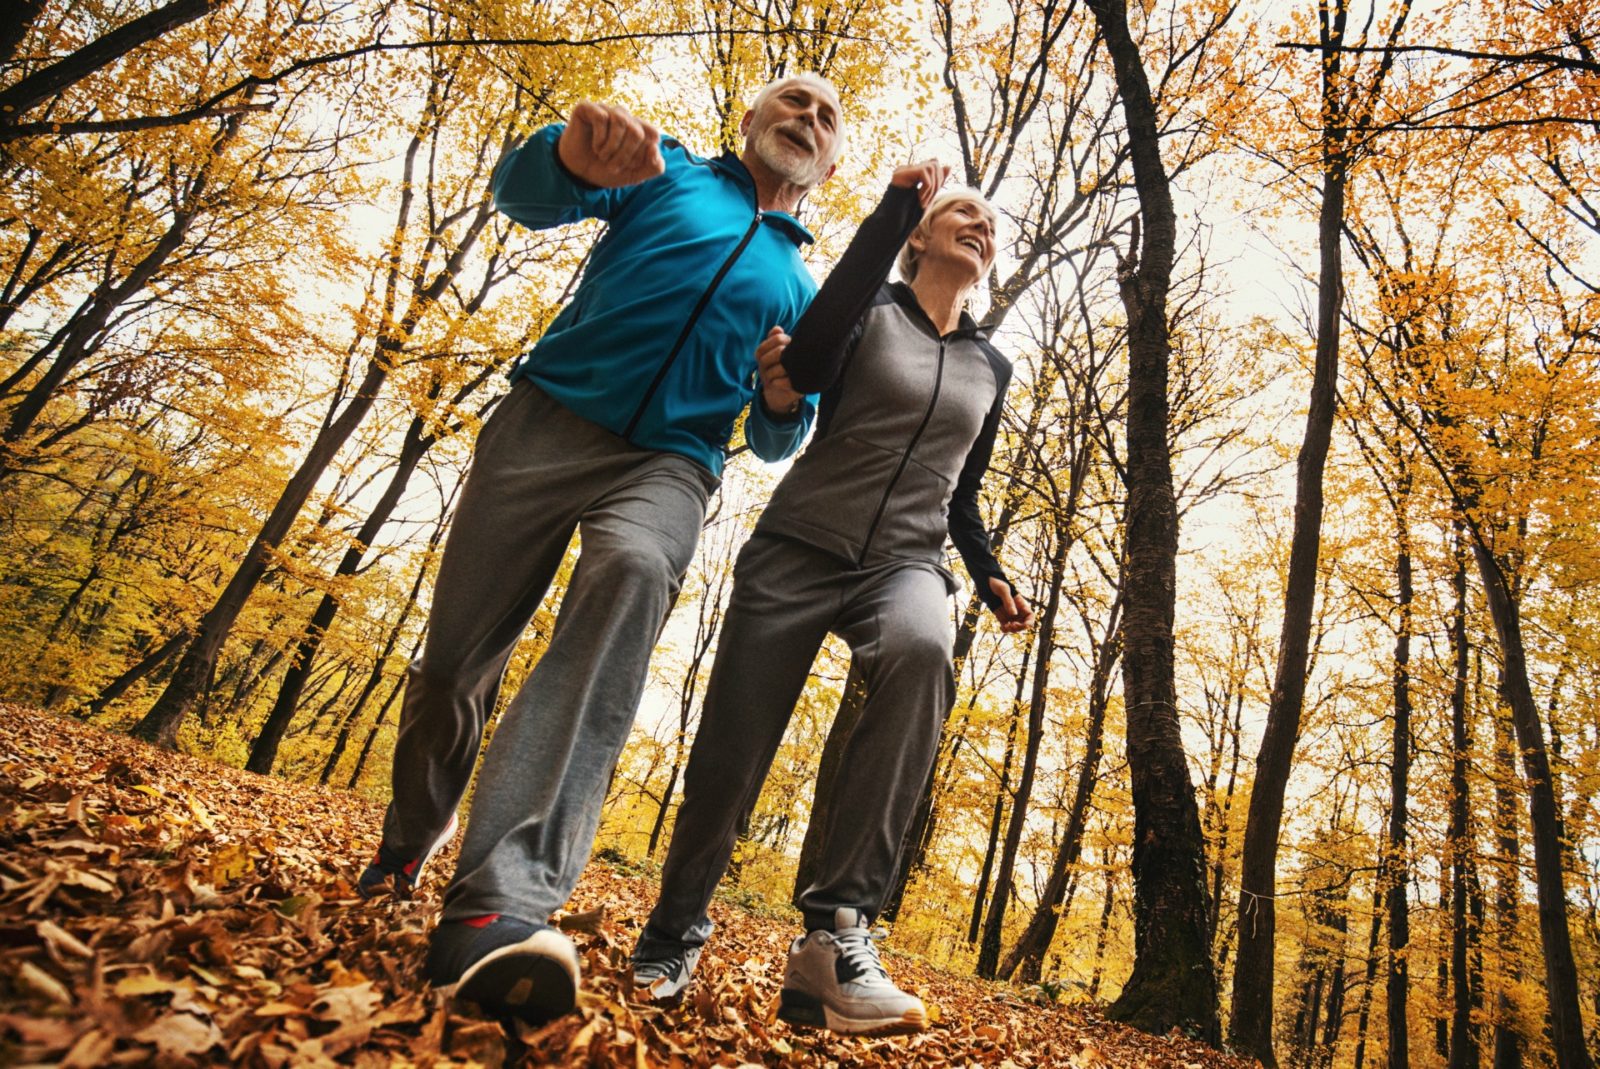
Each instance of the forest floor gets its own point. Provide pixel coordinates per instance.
(157, 909)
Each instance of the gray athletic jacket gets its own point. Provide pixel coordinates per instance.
(907, 418)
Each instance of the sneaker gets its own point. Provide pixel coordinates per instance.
(835, 980)
(662, 979)
(508, 967)
(389, 873)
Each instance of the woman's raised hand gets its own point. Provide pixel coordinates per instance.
(926, 178)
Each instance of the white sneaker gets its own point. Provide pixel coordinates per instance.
(835, 980)
(663, 979)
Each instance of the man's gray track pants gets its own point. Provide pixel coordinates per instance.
(538, 474)
(786, 597)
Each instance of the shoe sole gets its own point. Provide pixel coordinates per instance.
(799, 1008)
(646, 993)
(535, 980)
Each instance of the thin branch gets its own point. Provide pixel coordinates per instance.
(215, 104)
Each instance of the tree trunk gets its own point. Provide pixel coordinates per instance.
(1561, 972)
(143, 667)
(1100, 938)
(994, 925)
(1032, 945)
(193, 676)
(1363, 1015)
(1399, 869)
(1507, 1041)
(1174, 983)
(997, 813)
(264, 754)
(1463, 1046)
(1250, 1026)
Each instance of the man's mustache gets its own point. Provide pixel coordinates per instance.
(798, 130)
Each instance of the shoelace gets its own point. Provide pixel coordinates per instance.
(659, 968)
(859, 948)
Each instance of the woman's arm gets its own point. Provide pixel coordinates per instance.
(967, 529)
(816, 352)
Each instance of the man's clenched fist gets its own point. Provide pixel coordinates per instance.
(608, 146)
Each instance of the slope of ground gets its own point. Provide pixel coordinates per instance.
(157, 909)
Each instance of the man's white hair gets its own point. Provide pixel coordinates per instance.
(815, 81)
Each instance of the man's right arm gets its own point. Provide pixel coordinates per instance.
(582, 169)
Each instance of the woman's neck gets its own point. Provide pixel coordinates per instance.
(942, 295)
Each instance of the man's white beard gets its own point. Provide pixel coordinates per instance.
(787, 160)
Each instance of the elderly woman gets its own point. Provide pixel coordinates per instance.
(852, 542)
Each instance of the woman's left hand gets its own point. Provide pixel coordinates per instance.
(780, 397)
(1013, 612)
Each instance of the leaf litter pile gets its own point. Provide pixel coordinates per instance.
(157, 909)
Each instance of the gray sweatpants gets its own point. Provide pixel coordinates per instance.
(538, 474)
(786, 597)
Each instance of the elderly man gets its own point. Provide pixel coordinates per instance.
(616, 427)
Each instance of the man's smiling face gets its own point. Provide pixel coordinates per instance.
(795, 131)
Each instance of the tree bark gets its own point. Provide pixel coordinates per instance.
(994, 925)
(264, 754)
(1398, 867)
(1250, 1025)
(193, 676)
(1379, 890)
(1507, 1042)
(1463, 1047)
(1174, 981)
(1032, 945)
(33, 90)
(1561, 971)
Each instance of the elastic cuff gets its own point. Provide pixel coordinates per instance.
(781, 418)
(986, 593)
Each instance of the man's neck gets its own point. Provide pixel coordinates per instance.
(773, 193)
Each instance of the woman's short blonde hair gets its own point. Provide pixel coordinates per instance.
(907, 263)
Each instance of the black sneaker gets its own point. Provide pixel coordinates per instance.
(662, 979)
(388, 873)
(508, 967)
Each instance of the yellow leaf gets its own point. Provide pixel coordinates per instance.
(229, 862)
(148, 984)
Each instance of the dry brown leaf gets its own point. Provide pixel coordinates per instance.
(348, 1004)
(180, 1035)
(32, 978)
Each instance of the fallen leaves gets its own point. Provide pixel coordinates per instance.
(159, 909)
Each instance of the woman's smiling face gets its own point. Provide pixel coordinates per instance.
(959, 230)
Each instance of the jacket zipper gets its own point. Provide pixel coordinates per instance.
(905, 458)
(683, 335)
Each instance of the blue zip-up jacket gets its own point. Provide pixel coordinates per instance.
(658, 344)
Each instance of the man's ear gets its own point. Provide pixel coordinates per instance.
(832, 167)
(744, 123)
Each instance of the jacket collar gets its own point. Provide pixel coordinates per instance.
(730, 165)
(966, 327)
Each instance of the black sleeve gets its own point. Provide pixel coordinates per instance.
(967, 531)
(816, 355)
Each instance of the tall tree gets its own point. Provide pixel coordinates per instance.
(1174, 981)
(1346, 102)
(440, 259)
